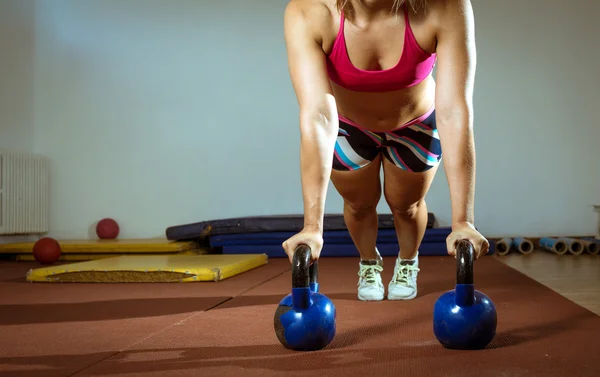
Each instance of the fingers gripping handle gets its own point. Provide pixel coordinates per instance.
(464, 262)
(304, 277)
(465, 287)
(300, 267)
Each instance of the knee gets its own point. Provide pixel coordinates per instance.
(362, 208)
(407, 211)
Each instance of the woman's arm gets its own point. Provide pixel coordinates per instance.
(318, 113)
(454, 116)
(454, 104)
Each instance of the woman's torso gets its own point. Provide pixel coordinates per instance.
(388, 50)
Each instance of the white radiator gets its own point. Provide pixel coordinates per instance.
(24, 193)
(597, 209)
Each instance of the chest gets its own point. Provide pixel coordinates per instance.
(379, 46)
(375, 47)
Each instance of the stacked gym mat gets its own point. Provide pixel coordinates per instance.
(265, 234)
(86, 250)
(337, 243)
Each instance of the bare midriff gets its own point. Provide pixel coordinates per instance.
(388, 110)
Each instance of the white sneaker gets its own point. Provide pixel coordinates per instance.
(403, 285)
(370, 286)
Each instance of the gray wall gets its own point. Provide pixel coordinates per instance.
(17, 44)
(158, 113)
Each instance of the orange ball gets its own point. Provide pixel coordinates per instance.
(107, 229)
(46, 250)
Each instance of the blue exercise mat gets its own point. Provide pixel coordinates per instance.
(385, 236)
(259, 224)
(344, 250)
(335, 250)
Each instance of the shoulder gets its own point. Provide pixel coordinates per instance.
(438, 6)
(448, 12)
(317, 15)
(319, 8)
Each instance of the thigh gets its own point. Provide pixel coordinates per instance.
(403, 189)
(360, 188)
(357, 165)
(355, 147)
(415, 147)
(412, 157)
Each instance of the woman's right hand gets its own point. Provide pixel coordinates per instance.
(313, 238)
(304, 25)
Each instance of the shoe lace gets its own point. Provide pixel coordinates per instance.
(403, 272)
(367, 273)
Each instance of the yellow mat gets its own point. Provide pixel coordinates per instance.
(152, 245)
(95, 256)
(150, 269)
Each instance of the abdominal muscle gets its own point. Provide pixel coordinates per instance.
(385, 111)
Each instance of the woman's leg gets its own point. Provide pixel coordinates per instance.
(356, 177)
(405, 194)
(412, 157)
(361, 191)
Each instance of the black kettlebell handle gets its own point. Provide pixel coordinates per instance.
(465, 257)
(303, 273)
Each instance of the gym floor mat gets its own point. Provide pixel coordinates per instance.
(53, 330)
(329, 237)
(152, 269)
(278, 223)
(152, 245)
(348, 250)
(337, 250)
(540, 333)
(94, 256)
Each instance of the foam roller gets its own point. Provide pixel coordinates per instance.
(554, 245)
(523, 245)
(503, 246)
(591, 245)
(574, 246)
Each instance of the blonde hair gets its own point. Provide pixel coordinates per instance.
(414, 4)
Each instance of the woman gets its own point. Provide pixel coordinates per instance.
(362, 74)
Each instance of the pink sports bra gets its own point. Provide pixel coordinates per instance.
(414, 65)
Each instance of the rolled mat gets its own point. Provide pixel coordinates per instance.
(384, 236)
(277, 223)
(554, 245)
(591, 245)
(504, 246)
(523, 245)
(574, 246)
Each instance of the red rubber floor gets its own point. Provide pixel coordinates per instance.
(58, 329)
(540, 333)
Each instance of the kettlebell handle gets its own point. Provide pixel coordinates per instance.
(303, 273)
(464, 262)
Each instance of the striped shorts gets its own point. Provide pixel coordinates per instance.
(415, 146)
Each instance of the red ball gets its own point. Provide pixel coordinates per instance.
(107, 229)
(46, 250)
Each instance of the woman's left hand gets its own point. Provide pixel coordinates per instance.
(467, 231)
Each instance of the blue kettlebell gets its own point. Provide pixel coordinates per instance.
(305, 320)
(464, 318)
